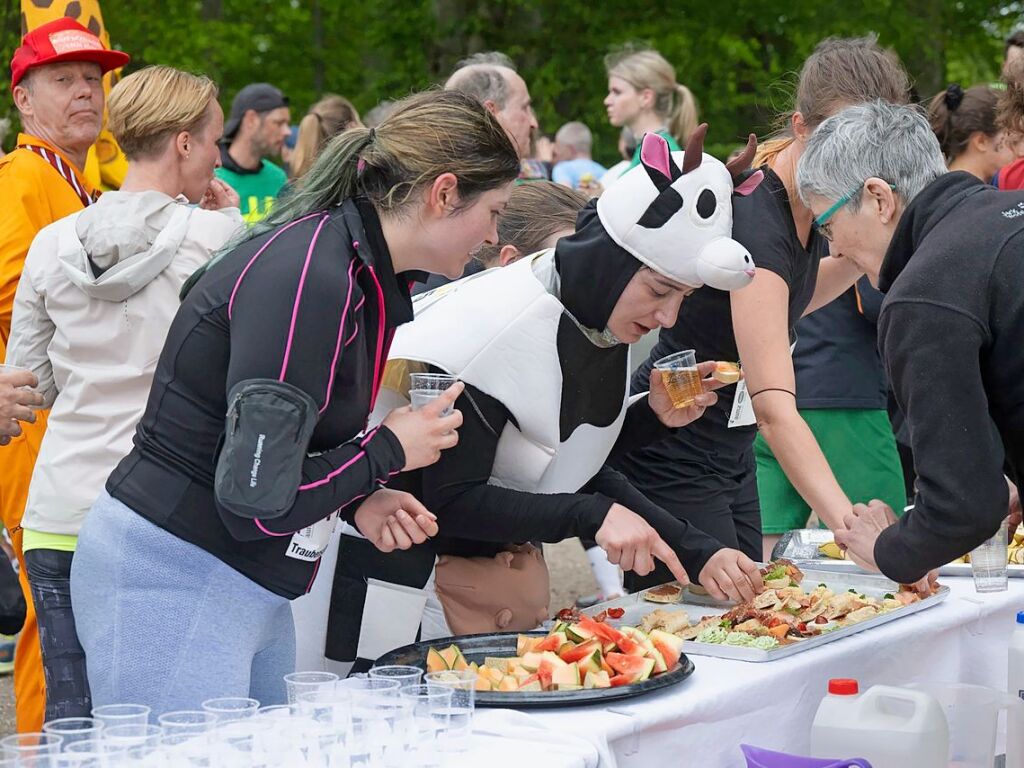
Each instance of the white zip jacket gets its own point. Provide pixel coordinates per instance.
(91, 313)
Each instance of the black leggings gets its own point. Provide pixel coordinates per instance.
(67, 687)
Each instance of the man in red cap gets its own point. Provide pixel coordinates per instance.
(56, 82)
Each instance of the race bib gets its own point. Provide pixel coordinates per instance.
(311, 542)
(742, 414)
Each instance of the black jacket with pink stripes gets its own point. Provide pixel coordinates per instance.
(313, 303)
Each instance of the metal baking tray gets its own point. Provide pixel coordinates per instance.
(801, 546)
(478, 647)
(698, 606)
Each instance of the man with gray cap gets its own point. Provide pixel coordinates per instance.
(256, 130)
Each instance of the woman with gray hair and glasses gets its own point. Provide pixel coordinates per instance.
(946, 250)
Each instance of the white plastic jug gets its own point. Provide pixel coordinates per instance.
(889, 727)
(972, 712)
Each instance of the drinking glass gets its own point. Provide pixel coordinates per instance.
(73, 729)
(462, 684)
(424, 387)
(681, 377)
(988, 563)
(91, 753)
(361, 687)
(187, 722)
(26, 746)
(405, 675)
(301, 682)
(231, 708)
(129, 736)
(122, 714)
(431, 719)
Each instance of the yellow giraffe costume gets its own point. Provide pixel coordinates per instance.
(106, 165)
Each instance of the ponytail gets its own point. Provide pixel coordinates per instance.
(683, 117)
(311, 136)
(768, 150)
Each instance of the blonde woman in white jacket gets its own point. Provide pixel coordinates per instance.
(97, 296)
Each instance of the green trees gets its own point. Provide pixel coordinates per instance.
(737, 57)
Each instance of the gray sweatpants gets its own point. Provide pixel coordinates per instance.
(166, 624)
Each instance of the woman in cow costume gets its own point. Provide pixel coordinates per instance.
(543, 348)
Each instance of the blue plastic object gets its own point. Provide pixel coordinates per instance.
(1020, 617)
(765, 758)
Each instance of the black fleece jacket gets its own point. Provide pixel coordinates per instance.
(950, 332)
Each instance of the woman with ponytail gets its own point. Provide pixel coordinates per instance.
(187, 564)
(965, 124)
(706, 473)
(325, 120)
(643, 95)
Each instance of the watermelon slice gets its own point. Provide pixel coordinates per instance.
(577, 633)
(618, 680)
(597, 680)
(608, 634)
(552, 642)
(668, 645)
(659, 661)
(578, 652)
(592, 663)
(636, 668)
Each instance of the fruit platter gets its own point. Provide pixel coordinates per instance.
(817, 548)
(581, 659)
(798, 610)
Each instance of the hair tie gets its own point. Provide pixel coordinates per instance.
(954, 97)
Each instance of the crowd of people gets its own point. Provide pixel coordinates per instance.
(210, 469)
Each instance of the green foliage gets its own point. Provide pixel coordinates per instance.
(739, 59)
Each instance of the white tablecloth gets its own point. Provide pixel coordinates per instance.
(701, 721)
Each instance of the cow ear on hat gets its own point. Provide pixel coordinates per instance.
(657, 160)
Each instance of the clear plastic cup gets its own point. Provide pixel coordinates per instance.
(681, 377)
(405, 675)
(462, 684)
(425, 387)
(73, 729)
(231, 708)
(302, 682)
(130, 736)
(988, 563)
(122, 714)
(431, 722)
(28, 745)
(360, 687)
(187, 722)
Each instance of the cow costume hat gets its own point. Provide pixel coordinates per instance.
(534, 337)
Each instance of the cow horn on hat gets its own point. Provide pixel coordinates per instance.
(694, 152)
(742, 162)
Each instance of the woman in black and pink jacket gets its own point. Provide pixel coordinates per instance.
(212, 524)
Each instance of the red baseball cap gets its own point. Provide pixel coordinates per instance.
(62, 40)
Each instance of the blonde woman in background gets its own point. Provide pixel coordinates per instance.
(93, 307)
(325, 120)
(643, 95)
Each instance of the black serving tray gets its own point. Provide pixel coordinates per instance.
(477, 647)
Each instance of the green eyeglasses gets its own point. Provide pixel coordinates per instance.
(821, 223)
